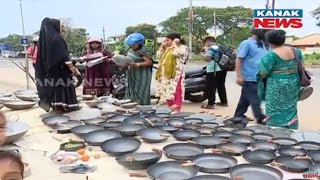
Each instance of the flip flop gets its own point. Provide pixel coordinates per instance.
(207, 107)
(78, 169)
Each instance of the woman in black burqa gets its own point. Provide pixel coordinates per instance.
(54, 69)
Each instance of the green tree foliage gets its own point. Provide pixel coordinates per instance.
(228, 20)
(316, 13)
(148, 30)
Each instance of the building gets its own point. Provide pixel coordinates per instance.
(115, 39)
(308, 44)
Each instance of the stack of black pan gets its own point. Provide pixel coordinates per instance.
(205, 146)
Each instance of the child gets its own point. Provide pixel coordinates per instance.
(2, 128)
(11, 166)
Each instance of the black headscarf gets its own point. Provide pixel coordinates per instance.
(52, 49)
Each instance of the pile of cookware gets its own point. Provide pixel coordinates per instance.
(203, 144)
(19, 100)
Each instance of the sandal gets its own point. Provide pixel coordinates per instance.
(207, 107)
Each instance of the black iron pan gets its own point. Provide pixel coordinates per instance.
(224, 128)
(315, 156)
(168, 128)
(154, 118)
(95, 138)
(263, 145)
(258, 128)
(134, 120)
(190, 127)
(292, 151)
(209, 141)
(243, 131)
(95, 121)
(118, 118)
(194, 120)
(209, 177)
(182, 151)
(255, 172)
(84, 129)
(65, 128)
(185, 135)
(120, 146)
(55, 119)
(292, 164)
(309, 145)
(109, 125)
(176, 122)
(242, 139)
(210, 125)
(223, 134)
(284, 141)
(153, 135)
(280, 132)
(183, 114)
(139, 161)
(233, 149)
(262, 136)
(128, 130)
(259, 156)
(163, 115)
(212, 163)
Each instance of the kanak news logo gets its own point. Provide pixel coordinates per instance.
(277, 18)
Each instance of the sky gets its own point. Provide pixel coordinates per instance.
(116, 15)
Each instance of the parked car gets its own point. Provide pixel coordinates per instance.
(8, 54)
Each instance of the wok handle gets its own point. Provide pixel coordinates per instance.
(302, 158)
(141, 175)
(188, 164)
(228, 149)
(277, 164)
(204, 112)
(159, 151)
(165, 135)
(216, 150)
(266, 119)
(148, 121)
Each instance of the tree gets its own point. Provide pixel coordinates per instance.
(148, 30)
(316, 13)
(234, 38)
(228, 20)
(15, 41)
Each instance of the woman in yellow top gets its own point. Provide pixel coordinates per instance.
(170, 74)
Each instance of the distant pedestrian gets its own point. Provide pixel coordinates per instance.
(249, 55)
(279, 82)
(215, 77)
(33, 50)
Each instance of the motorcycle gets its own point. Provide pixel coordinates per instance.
(195, 86)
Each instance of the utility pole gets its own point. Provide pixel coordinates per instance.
(273, 3)
(25, 47)
(190, 26)
(104, 36)
(215, 23)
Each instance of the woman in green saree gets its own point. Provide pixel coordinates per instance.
(279, 82)
(139, 73)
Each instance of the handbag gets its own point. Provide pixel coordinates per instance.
(305, 79)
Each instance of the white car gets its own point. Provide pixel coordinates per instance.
(8, 54)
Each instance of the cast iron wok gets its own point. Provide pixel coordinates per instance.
(292, 151)
(84, 129)
(170, 129)
(292, 164)
(212, 163)
(309, 145)
(182, 151)
(139, 161)
(120, 146)
(262, 136)
(154, 118)
(233, 149)
(19, 105)
(171, 170)
(94, 121)
(118, 118)
(134, 120)
(315, 156)
(280, 132)
(153, 135)
(263, 145)
(109, 125)
(255, 172)
(51, 121)
(128, 130)
(243, 131)
(95, 138)
(259, 156)
(242, 139)
(210, 125)
(182, 114)
(193, 120)
(185, 135)
(284, 141)
(176, 122)
(208, 141)
(209, 177)
(65, 128)
(14, 131)
(258, 128)
(223, 134)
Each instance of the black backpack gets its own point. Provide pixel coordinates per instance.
(227, 60)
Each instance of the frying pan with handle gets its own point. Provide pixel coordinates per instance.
(208, 141)
(182, 151)
(120, 146)
(309, 145)
(128, 130)
(84, 129)
(95, 138)
(292, 151)
(212, 163)
(185, 135)
(292, 164)
(242, 139)
(263, 145)
(168, 170)
(153, 135)
(255, 172)
(262, 136)
(55, 119)
(259, 156)
(209, 177)
(233, 149)
(243, 131)
(284, 141)
(139, 161)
